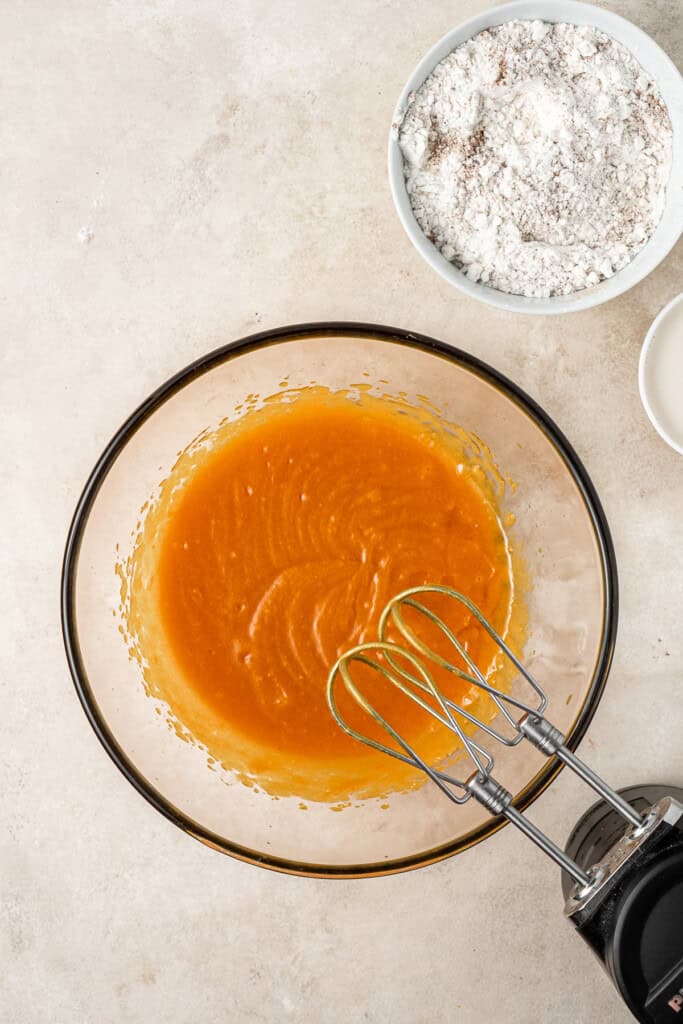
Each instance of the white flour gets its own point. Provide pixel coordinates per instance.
(536, 157)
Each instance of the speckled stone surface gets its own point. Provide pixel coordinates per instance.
(176, 175)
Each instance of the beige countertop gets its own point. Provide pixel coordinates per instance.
(176, 175)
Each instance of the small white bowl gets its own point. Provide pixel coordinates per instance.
(658, 66)
(650, 356)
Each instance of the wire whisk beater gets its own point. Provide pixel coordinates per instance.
(408, 663)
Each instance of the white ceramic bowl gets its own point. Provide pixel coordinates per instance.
(651, 357)
(659, 68)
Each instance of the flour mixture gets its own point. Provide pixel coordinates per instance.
(536, 157)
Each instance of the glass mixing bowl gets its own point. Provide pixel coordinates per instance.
(560, 528)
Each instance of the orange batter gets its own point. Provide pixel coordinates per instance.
(277, 550)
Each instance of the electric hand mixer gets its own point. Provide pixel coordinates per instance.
(623, 866)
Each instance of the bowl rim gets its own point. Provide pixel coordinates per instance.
(339, 330)
(670, 226)
(647, 352)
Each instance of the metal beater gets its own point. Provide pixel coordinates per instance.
(626, 897)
